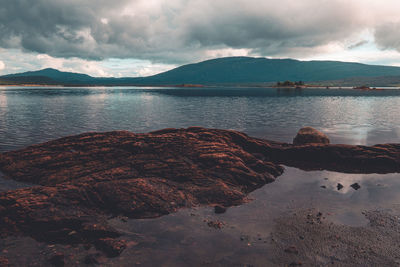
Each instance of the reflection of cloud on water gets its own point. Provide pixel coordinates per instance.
(348, 134)
(146, 97)
(366, 181)
(3, 100)
(397, 130)
(3, 104)
(344, 179)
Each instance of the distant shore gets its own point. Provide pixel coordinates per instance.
(361, 88)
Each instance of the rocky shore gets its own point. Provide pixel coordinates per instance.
(81, 181)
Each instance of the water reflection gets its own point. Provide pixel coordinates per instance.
(185, 238)
(33, 115)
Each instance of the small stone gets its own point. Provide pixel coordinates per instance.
(215, 224)
(323, 186)
(292, 250)
(339, 186)
(244, 238)
(309, 135)
(355, 186)
(218, 209)
(72, 233)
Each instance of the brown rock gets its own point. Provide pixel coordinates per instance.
(342, 158)
(84, 179)
(218, 209)
(309, 135)
(4, 262)
(57, 259)
(111, 247)
(355, 186)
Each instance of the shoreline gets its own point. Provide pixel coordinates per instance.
(188, 86)
(85, 180)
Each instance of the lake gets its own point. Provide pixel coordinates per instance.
(30, 115)
(33, 115)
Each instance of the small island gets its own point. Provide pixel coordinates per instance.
(290, 84)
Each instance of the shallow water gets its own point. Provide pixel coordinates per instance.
(184, 238)
(34, 115)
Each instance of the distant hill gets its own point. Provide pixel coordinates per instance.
(260, 70)
(230, 70)
(48, 76)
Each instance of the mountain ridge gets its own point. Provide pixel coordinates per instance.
(227, 70)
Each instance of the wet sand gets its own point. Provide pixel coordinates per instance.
(294, 220)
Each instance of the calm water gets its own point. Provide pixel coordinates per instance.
(33, 115)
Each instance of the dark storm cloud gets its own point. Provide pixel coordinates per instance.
(172, 31)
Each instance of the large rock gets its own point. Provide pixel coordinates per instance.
(309, 135)
(82, 180)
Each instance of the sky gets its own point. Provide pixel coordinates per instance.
(144, 37)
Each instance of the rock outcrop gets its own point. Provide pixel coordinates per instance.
(85, 178)
(309, 135)
(4, 262)
(82, 180)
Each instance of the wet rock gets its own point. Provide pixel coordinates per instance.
(341, 158)
(309, 135)
(4, 262)
(245, 238)
(91, 259)
(82, 180)
(216, 224)
(291, 250)
(126, 174)
(111, 247)
(95, 259)
(339, 186)
(218, 209)
(355, 186)
(57, 259)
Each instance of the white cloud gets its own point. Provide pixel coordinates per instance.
(185, 30)
(18, 61)
(88, 35)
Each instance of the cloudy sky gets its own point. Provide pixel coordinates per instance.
(144, 37)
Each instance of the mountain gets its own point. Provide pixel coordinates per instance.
(229, 70)
(49, 76)
(260, 70)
